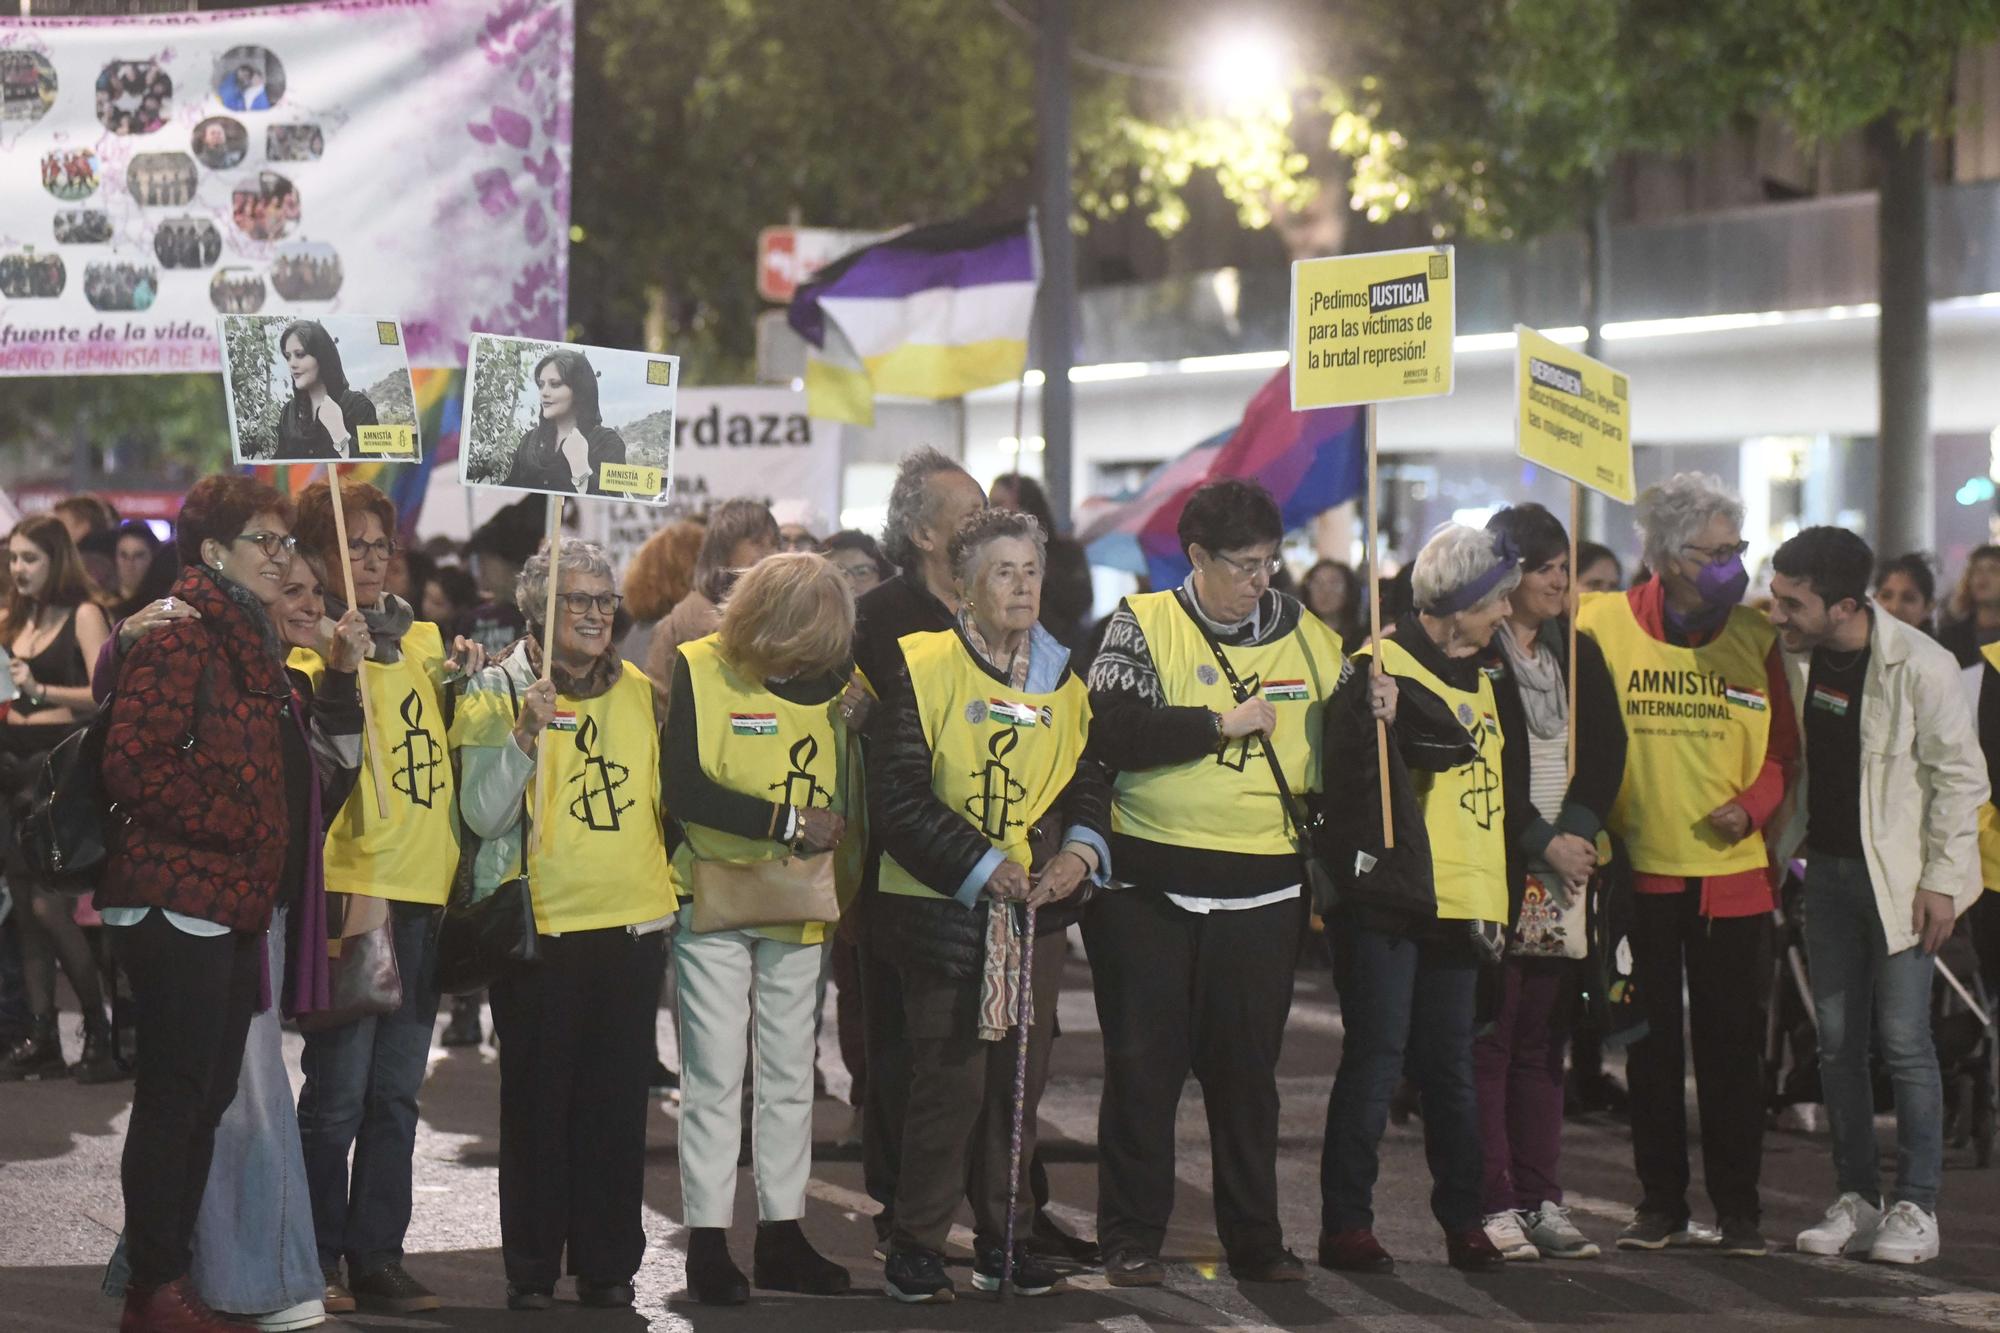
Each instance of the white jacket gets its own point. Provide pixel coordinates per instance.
(1923, 776)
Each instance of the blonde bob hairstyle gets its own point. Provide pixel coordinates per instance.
(790, 617)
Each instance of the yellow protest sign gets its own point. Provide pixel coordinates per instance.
(1574, 415)
(1368, 328)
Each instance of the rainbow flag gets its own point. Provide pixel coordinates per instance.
(440, 404)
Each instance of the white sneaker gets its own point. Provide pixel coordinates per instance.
(1504, 1230)
(1848, 1228)
(1908, 1235)
(306, 1314)
(1550, 1231)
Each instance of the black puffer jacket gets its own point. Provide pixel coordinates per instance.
(940, 847)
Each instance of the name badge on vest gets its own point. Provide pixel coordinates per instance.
(1833, 701)
(753, 724)
(564, 720)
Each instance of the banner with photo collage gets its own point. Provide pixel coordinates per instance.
(405, 159)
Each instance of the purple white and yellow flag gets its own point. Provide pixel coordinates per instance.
(933, 312)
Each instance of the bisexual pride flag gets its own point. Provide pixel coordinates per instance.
(933, 312)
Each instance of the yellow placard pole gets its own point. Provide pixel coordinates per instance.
(548, 668)
(1375, 627)
(371, 741)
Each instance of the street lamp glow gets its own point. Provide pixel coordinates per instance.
(1243, 66)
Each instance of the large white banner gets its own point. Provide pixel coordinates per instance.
(403, 159)
(749, 443)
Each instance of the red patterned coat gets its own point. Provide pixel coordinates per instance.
(205, 824)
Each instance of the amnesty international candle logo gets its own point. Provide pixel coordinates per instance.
(801, 788)
(1481, 798)
(992, 806)
(597, 805)
(418, 756)
(1237, 756)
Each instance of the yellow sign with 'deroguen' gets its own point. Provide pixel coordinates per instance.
(1574, 415)
(1367, 328)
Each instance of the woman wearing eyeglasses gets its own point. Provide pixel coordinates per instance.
(1711, 739)
(211, 776)
(575, 1026)
(1193, 962)
(361, 1079)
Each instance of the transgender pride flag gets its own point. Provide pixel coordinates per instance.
(933, 312)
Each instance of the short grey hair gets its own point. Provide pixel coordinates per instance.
(912, 504)
(531, 590)
(983, 527)
(1671, 514)
(1454, 556)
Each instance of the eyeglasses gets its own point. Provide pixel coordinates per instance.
(579, 603)
(1250, 569)
(1717, 555)
(272, 544)
(382, 548)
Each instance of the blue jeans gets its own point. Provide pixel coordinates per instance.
(1856, 979)
(361, 1093)
(1397, 993)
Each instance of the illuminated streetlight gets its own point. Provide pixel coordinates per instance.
(1243, 66)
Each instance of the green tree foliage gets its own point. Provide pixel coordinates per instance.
(699, 122)
(502, 405)
(1845, 64)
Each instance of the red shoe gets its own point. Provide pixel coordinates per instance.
(173, 1308)
(1473, 1251)
(1354, 1252)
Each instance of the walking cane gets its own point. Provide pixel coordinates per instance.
(1024, 1008)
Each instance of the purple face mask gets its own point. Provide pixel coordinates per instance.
(1723, 585)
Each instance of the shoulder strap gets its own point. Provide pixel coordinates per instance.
(1302, 821)
(527, 812)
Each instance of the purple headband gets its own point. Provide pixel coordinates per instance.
(1476, 591)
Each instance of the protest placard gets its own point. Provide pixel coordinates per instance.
(1369, 328)
(566, 420)
(329, 390)
(1573, 415)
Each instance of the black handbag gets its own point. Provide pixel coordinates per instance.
(479, 938)
(1319, 881)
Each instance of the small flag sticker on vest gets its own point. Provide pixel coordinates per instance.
(753, 724)
(564, 720)
(1750, 699)
(1833, 701)
(1011, 714)
(1285, 691)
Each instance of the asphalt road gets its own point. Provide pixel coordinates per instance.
(59, 1212)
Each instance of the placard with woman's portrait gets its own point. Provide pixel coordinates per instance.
(328, 390)
(561, 419)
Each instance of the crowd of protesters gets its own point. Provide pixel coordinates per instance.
(764, 755)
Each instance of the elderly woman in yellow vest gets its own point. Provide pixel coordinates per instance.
(361, 1080)
(1408, 977)
(1712, 746)
(983, 805)
(570, 764)
(757, 776)
(1193, 962)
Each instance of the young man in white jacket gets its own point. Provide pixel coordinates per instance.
(1887, 810)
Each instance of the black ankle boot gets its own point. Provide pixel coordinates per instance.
(36, 1056)
(713, 1277)
(786, 1261)
(99, 1062)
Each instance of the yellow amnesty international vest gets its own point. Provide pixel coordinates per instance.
(603, 856)
(1228, 800)
(1697, 721)
(1465, 810)
(1989, 819)
(999, 756)
(753, 742)
(412, 854)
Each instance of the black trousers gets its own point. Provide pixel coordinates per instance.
(576, 1040)
(1726, 962)
(194, 997)
(886, 1099)
(1179, 991)
(958, 1134)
